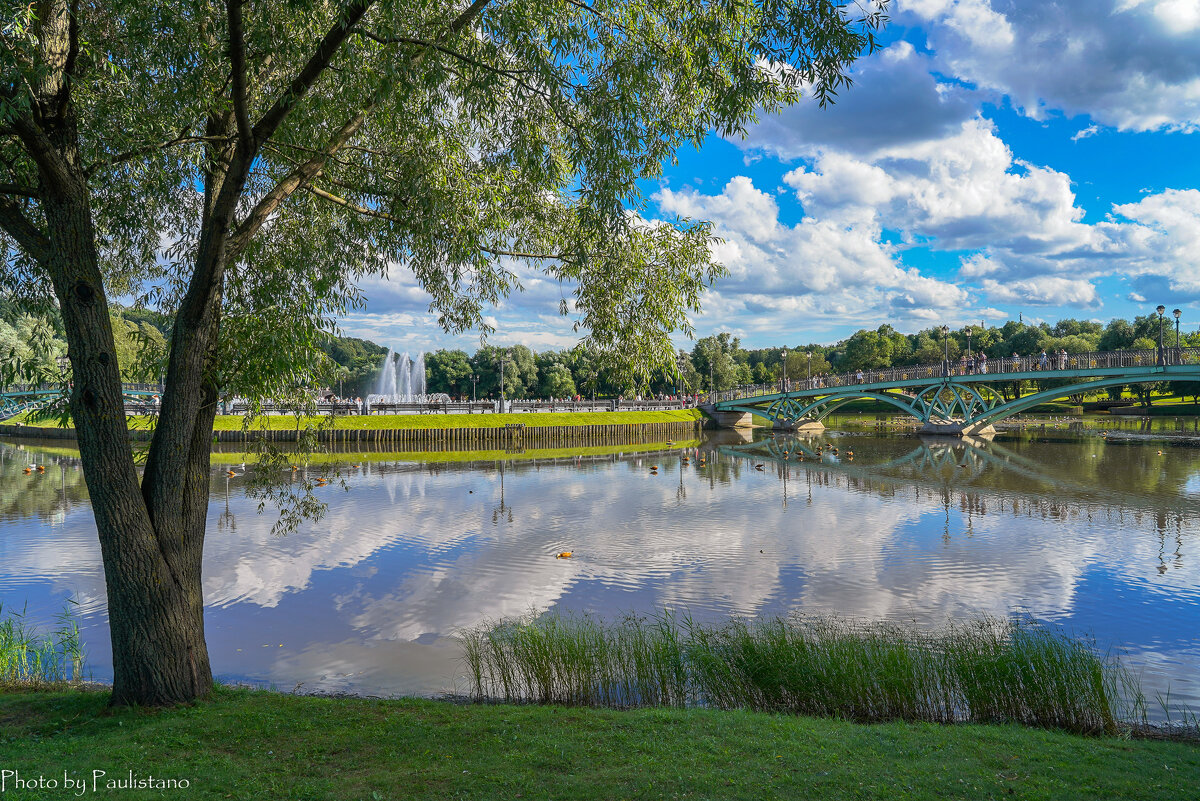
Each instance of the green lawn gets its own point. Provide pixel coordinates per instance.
(396, 421)
(262, 745)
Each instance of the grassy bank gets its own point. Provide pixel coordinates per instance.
(283, 422)
(244, 744)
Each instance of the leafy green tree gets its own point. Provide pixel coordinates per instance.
(928, 348)
(715, 356)
(1074, 343)
(448, 371)
(287, 150)
(485, 363)
(140, 348)
(1117, 335)
(1185, 389)
(1072, 327)
(805, 362)
(556, 382)
(873, 349)
(1023, 340)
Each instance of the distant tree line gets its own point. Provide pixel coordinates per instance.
(715, 362)
(720, 362)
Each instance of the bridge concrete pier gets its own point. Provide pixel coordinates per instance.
(956, 429)
(727, 419)
(799, 426)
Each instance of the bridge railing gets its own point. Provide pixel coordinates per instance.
(28, 389)
(1039, 363)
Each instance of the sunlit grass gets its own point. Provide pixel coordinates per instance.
(993, 671)
(30, 659)
(372, 422)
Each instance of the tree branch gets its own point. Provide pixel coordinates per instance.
(297, 178)
(299, 86)
(148, 149)
(17, 189)
(374, 37)
(305, 173)
(466, 18)
(43, 152)
(237, 65)
(341, 201)
(518, 254)
(19, 227)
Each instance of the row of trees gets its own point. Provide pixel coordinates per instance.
(720, 362)
(714, 362)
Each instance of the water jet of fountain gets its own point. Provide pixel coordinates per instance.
(402, 380)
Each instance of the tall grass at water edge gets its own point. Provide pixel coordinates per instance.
(31, 659)
(988, 670)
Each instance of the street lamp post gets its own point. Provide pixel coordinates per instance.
(1161, 353)
(474, 380)
(1178, 353)
(945, 329)
(785, 381)
(503, 361)
(968, 330)
(680, 360)
(808, 371)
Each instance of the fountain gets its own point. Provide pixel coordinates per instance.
(402, 380)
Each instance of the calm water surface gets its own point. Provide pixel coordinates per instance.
(1099, 535)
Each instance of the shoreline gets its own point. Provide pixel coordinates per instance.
(507, 430)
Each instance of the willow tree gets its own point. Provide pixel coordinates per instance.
(242, 165)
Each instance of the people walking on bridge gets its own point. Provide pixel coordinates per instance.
(1016, 362)
(983, 363)
(1044, 361)
(1062, 359)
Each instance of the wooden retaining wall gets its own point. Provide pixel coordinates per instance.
(511, 436)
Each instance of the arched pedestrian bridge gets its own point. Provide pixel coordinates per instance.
(15, 400)
(950, 398)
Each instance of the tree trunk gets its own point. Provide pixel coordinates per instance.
(151, 564)
(151, 568)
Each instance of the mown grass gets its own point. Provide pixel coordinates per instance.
(256, 745)
(987, 671)
(286, 422)
(32, 659)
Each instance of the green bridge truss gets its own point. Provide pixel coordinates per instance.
(969, 402)
(15, 401)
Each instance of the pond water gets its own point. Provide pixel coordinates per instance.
(1097, 534)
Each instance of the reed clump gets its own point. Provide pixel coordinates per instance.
(30, 659)
(988, 670)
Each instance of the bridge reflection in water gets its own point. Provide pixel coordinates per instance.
(980, 476)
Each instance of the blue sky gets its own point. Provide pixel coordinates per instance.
(996, 158)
